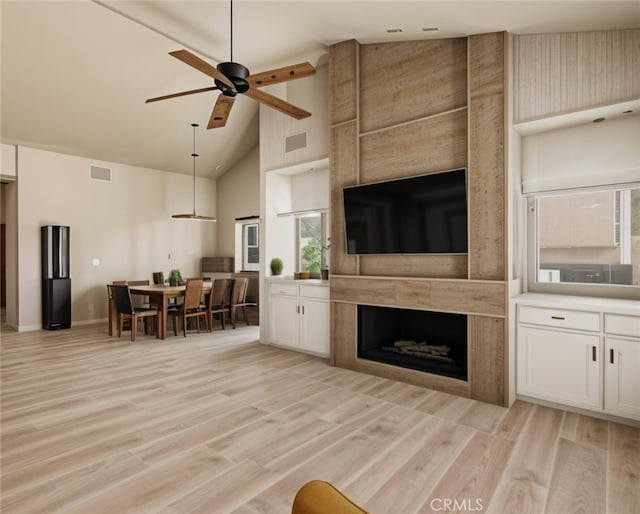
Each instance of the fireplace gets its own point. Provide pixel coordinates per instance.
(433, 342)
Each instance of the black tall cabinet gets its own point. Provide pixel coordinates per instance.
(56, 282)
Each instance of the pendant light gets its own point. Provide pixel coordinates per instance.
(193, 215)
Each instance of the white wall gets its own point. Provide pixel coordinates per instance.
(126, 224)
(238, 196)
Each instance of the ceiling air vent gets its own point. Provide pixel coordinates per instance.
(295, 142)
(100, 173)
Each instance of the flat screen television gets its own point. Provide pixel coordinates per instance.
(420, 214)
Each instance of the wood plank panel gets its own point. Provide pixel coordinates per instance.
(343, 81)
(431, 144)
(343, 172)
(566, 72)
(486, 64)
(394, 77)
(411, 376)
(486, 177)
(487, 362)
(343, 334)
(487, 298)
(423, 265)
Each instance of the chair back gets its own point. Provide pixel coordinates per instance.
(218, 296)
(239, 291)
(193, 294)
(122, 298)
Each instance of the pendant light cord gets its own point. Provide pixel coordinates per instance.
(194, 155)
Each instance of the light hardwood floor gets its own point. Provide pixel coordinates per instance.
(217, 423)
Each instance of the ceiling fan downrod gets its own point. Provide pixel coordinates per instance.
(235, 72)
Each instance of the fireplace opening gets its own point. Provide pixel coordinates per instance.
(434, 342)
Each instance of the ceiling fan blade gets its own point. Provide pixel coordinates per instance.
(278, 104)
(183, 93)
(220, 112)
(193, 60)
(296, 71)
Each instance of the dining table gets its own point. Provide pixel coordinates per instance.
(159, 296)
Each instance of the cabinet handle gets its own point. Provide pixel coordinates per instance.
(298, 309)
(611, 352)
(593, 353)
(557, 317)
(303, 309)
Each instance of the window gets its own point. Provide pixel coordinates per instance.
(311, 232)
(587, 237)
(250, 247)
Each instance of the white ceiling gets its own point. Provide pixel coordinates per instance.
(75, 74)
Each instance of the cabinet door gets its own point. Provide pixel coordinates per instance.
(622, 377)
(284, 320)
(559, 366)
(314, 319)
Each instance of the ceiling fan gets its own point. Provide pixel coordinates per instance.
(232, 79)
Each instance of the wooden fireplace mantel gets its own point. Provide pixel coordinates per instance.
(451, 114)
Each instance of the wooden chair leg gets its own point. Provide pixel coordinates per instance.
(244, 313)
(134, 328)
(120, 321)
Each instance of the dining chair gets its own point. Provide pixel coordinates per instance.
(239, 300)
(127, 311)
(140, 300)
(191, 307)
(217, 302)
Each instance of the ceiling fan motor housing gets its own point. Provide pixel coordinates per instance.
(237, 74)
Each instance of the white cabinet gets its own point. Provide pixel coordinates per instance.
(299, 316)
(622, 365)
(582, 352)
(559, 366)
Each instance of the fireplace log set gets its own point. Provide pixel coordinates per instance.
(421, 349)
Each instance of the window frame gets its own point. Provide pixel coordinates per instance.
(246, 265)
(324, 238)
(629, 291)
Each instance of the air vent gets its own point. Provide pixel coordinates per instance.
(295, 142)
(100, 173)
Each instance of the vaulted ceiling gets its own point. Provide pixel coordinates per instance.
(75, 74)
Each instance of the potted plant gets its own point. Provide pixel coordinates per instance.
(175, 278)
(276, 266)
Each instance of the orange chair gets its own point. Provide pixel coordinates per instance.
(318, 497)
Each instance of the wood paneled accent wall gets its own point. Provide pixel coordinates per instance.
(403, 109)
(567, 72)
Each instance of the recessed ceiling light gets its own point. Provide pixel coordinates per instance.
(394, 31)
(429, 29)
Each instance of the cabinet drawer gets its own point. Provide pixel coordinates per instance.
(314, 291)
(581, 320)
(622, 325)
(281, 288)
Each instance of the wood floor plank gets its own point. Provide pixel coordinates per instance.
(623, 469)
(524, 484)
(473, 477)
(578, 482)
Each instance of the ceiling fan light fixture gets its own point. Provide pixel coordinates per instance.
(193, 215)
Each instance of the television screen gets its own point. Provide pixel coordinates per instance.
(421, 214)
